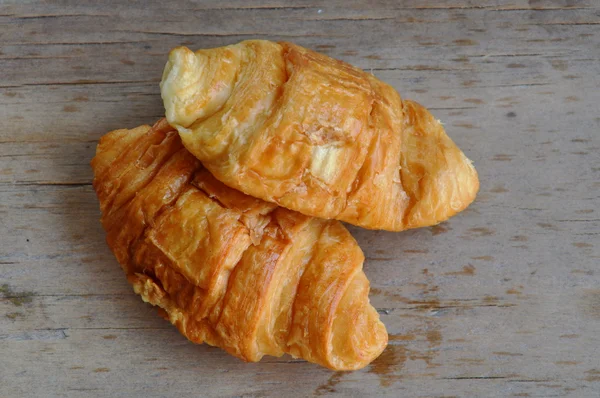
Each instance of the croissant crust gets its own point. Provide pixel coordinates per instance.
(316, 135)
(227, 269)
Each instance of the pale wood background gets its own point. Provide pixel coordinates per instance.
(502, 300)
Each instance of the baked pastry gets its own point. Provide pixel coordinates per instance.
(227, 269)
(316, 135)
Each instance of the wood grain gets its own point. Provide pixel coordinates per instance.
(502, 300)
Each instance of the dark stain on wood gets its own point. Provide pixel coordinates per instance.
(14, 315)
(511, 114)
(467, 270)
(464, 125)
(507, 354)
(572, 98)
(401, 337)
(462, 58)
(70, 108)
(567, 363)
(491, 299)
(582, 245)
(569, 336)
(101, 370)
(592, 375)
(559, 64)
(465, 42)
(16, 298)
(589, 303)
(474, 101)
(515, 66)
(391, 360)
(582, 271)
(513, 291)
(127, 62)
(81, 98)
(481, 231)
(434, 337)
(484, 258)
(499, 189)
(546, 225)
(10, 94)
(470, 83)
(423, 304)
(519, 238)
(502, 157)
(109, 337)
(420, 91)
(440, 229)
(373, 56)
(329, 386)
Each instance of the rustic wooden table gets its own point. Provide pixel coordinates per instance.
(502, 300)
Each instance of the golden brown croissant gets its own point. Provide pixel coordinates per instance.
(302, 130)
(228, 269)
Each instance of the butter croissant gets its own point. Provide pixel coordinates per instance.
(302, 130)
(227, 269)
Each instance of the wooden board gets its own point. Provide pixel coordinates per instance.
(502, 300)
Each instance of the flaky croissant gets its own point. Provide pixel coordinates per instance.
(302, 130)
(227, 269)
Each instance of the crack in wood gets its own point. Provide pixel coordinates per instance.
(349, 19)
(47, 183)
(84, 43)
(41, 16)
(227, 34)
(566, 23)
(84, 82)
(475, 378)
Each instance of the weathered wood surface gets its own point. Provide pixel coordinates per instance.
(503, 300)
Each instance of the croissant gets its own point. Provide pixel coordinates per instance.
(227, 269)
(316, 135)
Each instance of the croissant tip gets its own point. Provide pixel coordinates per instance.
(179, 50)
